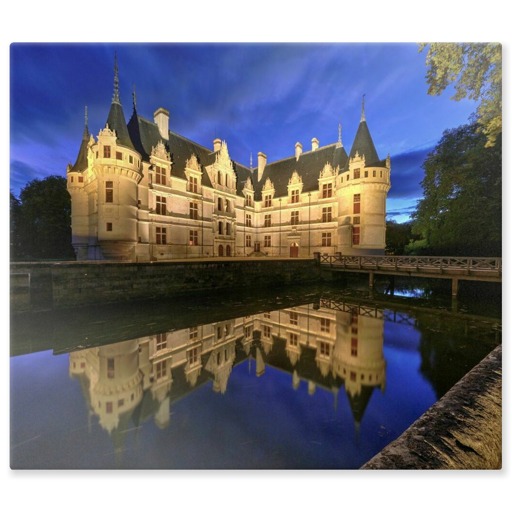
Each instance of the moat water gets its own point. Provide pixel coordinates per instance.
(316, 378)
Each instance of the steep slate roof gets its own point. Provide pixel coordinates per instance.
(116, 121)
(363, 144)
(145, 135)
(81, 160)
(308, 166)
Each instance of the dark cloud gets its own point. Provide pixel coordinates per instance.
(21, 174)
(407, 174)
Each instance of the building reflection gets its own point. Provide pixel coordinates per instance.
(337, 346)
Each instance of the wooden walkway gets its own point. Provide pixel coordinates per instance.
(440, 267)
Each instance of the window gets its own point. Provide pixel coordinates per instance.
(325, 325)
(109, 191)
(294, 318)
(327, 214)
(120, 402)
(366, 174)
(161, 205)
(353, 347)
(221, 228)
(326, 190)
(326, 239)
(161, 341)
(266, 314)
(357, 174)
(226, 180)
(193, 355)
(119, 155)
(80, 179)
(294, 218)
(353, 376)
(219, 178)
(109, 226)
(295, 196)
(219, 204)
(381, 174)
(248, 241)
(194, 211)
(374, 174)
(161, 369)
(161, 235)
(357, 203)
(267, 241)
(325, 349)
(110, 368)
(228, 229)
(268, 201)
(248, 220)
(106, 151)
(248, 200)
(293, 339)
(248, 331)
(130, 159)
(160, 178)
(193, 237)
(268, 220)
(356, 235)
(192, 333)
(228, 206)
(193, 184)
(357, 220)
(266, 331)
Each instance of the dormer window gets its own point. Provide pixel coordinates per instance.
(268, 200)
(193, 184)
(160, 177)
(106, 151)
(357, 174)
(294, 198)
(326, 190)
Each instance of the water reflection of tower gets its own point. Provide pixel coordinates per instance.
(358, 356)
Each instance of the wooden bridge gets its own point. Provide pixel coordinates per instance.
(440, 267)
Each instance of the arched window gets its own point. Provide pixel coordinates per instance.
(228, 250)
(221, 250)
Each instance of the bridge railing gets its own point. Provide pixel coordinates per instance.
(416, 264)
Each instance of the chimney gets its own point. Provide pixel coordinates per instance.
(262, 162)
(161, 117)
(298, 150)
(217, 143)
(314, 144)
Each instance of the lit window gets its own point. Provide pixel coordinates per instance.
(356, 235)
(327, 214)
(161, 235)
(109, 191)
(326, 239)
(161, 341)
(357, 203)
(294, 218)
(193, 237)
(161, 205)
(327, 190)
(194, 211)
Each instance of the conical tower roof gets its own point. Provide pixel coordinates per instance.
(116, 120)
(81, 160)
(363, 143)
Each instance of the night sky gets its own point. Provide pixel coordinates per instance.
(257, 97)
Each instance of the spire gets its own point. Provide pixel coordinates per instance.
(86, 119)
(115, 98)
(363, 143)
(250, 162)
(134, 98)
(340, 143)
(363, 116)
(81, 160)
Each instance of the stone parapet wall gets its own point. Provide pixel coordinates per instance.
(46, 286)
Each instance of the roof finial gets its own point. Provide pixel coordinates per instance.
(363, 116)
(115, 98)
(134, 97)
(340, 144)
(86, 117)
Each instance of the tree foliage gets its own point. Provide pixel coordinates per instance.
(398, 237)
(475, 70)
(41, 221)
(460, 213)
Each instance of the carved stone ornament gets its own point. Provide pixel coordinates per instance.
(222, 159)
(268, 185)
(108, 132)
(295, 179)
(159, 151)
(328, 171)
(192, 163)
(248, 185)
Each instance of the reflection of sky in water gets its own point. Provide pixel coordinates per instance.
(274, 420)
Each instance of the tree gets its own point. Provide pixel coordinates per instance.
(398, 237)
(460, 213)
(41, 221)
(475, 70)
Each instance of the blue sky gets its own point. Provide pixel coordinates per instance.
(257, 97)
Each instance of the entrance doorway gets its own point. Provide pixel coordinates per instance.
(256, 247)
(221, 250)
(294, 250)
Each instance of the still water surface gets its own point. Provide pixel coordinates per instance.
(304, 379)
